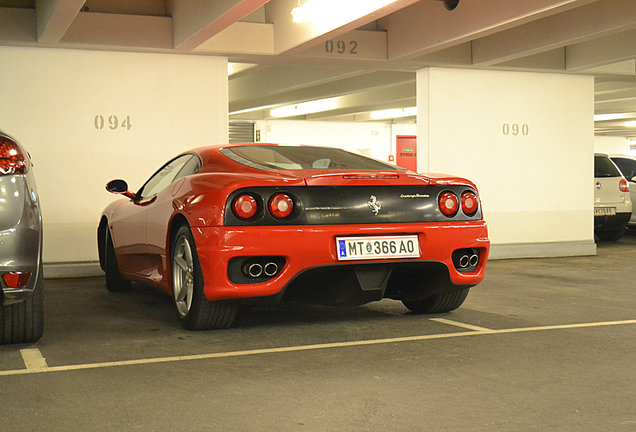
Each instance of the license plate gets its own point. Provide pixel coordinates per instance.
(605, 211)
(378, 247)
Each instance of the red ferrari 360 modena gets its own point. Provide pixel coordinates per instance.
(224, 226)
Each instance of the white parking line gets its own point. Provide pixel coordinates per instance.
(462, 325)
(307, 347)
(33, 359)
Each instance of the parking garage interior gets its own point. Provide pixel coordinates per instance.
(517, 96)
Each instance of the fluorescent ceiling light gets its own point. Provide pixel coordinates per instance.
(330, 10)
(249, 110)
(630, 124)
(393, 113)
(616, 116)
(305, 108)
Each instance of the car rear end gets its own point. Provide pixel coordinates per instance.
(612, 202)
(20, 246)
(338, 235)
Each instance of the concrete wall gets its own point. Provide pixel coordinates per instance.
(61, 105)
(611, 145)
(526, 140)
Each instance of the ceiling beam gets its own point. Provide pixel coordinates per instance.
(574, 26)
(547, 60)
(334, 86)
(293, 38)
(427, 26)
(241, 38)
(17, 25)
(92, 29)
(197, 21)
(355, 45)
(598, 52)
(54, 17)
(275, 80)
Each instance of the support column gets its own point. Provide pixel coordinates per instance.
(527, 141)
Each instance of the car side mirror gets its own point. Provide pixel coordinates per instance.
(119, 187)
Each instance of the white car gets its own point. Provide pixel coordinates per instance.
(612, 203)
(627, 165)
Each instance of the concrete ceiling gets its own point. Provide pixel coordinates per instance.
(365, 63)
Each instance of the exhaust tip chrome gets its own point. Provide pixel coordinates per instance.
(474, 260)
(253, 270)
(464, 261)
(270, 269)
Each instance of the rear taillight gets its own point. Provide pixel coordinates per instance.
(244, 206)
(281, 205)
(623, 185)
(16, 279)
(12, 159)
(469, 203)
(448, 204)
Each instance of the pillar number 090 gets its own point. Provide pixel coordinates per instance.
(515, 129)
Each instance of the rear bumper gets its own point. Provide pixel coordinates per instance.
(310, 258)
(615, 222)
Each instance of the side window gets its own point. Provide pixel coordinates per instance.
(190, 167)
(166, 175)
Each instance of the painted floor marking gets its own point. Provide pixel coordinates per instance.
(33, 359)
(308, 347)
(462, 325)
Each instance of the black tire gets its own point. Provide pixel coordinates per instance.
(611, 235)
(194, 310)
(439, 303)
(114, 280)
(24, 322)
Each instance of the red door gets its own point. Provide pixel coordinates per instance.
(406, 149)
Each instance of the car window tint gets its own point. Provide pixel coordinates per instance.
(166, 175)
(604, 167)
(269, 157)
(627, 166)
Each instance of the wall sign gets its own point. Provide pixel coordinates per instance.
(341, 47)
(112, 122)
(515, 129)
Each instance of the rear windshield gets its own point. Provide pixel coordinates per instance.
(604, 167)
(271, 157)
(627, 166)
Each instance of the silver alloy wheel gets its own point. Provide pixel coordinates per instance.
(182, 275)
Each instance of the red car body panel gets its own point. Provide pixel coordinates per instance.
(141, 229)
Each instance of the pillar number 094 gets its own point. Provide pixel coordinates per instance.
(112, 122)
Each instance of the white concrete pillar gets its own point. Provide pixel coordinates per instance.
(88, 117)
(527, 141)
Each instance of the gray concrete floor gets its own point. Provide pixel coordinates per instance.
(540, 345)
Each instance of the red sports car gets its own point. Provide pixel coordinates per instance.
(224, 226)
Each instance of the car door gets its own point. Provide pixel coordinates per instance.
(130, 233)
(159, 211)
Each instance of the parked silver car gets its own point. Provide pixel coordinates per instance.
(627, 165)
(612, 204)
(21, 278)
